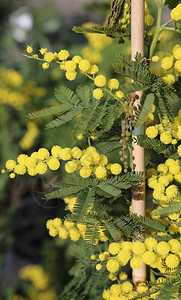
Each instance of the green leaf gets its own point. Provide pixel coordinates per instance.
(147, 107)
(67, 117)
(172, 208)
(84, 202)
(65, 95)
(46, 112)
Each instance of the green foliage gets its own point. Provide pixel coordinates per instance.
(87, 282)
(73, 184)
(163, 94)
(146, 108)
(111, 32)
(96, 117)
(156, 145)
(164, 211)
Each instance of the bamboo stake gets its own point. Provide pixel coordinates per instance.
(138, 194)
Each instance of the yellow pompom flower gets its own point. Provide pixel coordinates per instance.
(63, 55)
(119, 94)
(63, 233)
(177, 51)
(116, 169)
(103, 160)
(84, 65)
(155, 58)
(112, 265)
(71, 166)
(74, 234)
(136, 262)
(49, 56)
(43, 51)
(70, 66)
(93, 69)
(164, 180)
(65, 154)
(127, 287)
(174, 245)
(85, 172)
(169, 79)
(32, 171)
(123, 276)
(10, 164)
(123, 256)
(149, 257)
(41, 168)
(55, 151)
(100, 172)
(113, 84)
(138, 248)
(176, 13)
(100, 80)
(76, 153)
(177, 66)
(172, 191)
(45, 66)
(150, 243)
(162, 249)
(12, 175)
(114, 248)
(21, 159)
(20, 169)
(97, 93)
(167, 62)
(172, 261)
(98, 267)
(29, 49)
(76, 59)
(151, 132)
(70, 75)
(93, 257)
(68, 224)
(53, 163)
(43, 153)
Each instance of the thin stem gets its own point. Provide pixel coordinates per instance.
(170, 21)
(158, 29)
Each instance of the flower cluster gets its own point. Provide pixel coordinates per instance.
(164, 191)
(36, 275)
(14, 91)
(88, 162)
(39, 287)
(66, 228)
(28, 139)
(84, 66)
(170, 133)
(168, 65)
(159, 255)
(37, 163)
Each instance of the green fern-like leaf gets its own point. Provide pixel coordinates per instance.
(145, 109)
(172, 208)
(156, 145)
(65, 95)
(84, 202)
(67, 117)
(46, 112)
